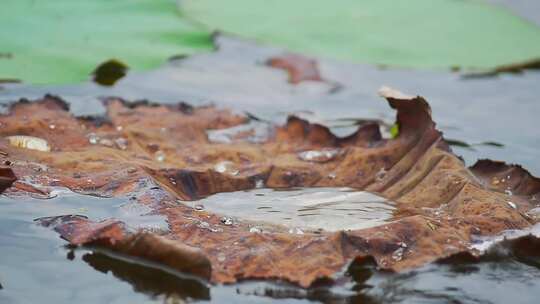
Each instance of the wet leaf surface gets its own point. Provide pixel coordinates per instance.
(441, 205)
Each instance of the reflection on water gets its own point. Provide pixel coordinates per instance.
(149, 280)
(331, 209)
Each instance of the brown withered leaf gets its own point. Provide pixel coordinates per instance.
(514, 68)
(300, 68)
(7, 177)
(440, 204)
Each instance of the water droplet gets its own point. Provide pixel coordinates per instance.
(332, 209)
(319, 156)
(534, 213)
(508, 192)
(332, 175)
(92, 138)
(205, 225)
(121, 143)
(52, 126)
(119, 128)
(398, 254)
(296, 231)
(227, 221)
(226, 167)
(29, 142)
(106, 142)
(255, 230)
(221, 257)
(259, 183)
(160, 156)
(379, 176)
(511, 204)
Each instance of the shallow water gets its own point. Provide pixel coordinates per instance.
(330, 209)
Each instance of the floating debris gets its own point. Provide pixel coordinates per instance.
(110, 71)
(319, 156)
(29, 142)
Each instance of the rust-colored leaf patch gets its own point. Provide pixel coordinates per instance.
(300, 68)
(160, 154)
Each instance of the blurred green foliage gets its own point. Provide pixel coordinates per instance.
(62, 41)
(407, 33)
